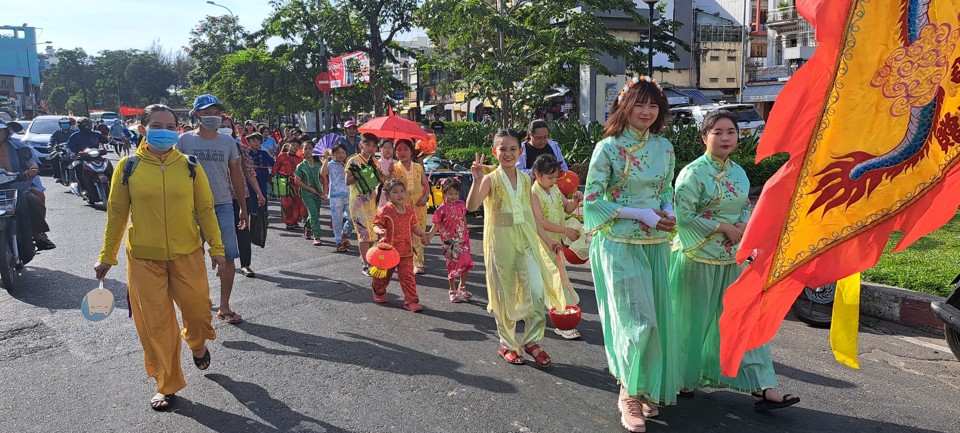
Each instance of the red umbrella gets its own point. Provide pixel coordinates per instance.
(394, 127)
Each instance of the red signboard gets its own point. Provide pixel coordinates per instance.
(349, 69)
(130, 111)
(323, 82)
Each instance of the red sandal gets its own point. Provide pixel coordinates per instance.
(511, 356)
(539, 355)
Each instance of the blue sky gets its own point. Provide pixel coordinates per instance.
(97, 25)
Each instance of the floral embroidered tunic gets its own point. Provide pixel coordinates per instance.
(710, 192)
(452, 219)
(633, 170)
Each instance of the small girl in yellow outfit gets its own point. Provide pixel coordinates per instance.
(415, 180)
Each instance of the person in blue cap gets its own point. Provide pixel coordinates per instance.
(220, 159)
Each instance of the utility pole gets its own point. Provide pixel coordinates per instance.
(745, 36)
(83, 86)
(327, 119)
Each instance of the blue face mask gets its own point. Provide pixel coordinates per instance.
(162, 139)
(64, 126)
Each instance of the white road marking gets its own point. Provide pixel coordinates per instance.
(925, 344)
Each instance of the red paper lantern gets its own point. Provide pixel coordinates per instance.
(568, 182)
(565, 319)
(381, 258)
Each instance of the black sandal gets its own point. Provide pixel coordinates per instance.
(157, 402)
(765, 404)
(202, 362)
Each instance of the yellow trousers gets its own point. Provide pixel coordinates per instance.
(417, 243)
(154, 286)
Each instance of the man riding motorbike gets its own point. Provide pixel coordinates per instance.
(85, 138)
(120, 136)
(58, 137)
(16, 157)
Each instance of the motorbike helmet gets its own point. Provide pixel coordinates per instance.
(64, 121)
(85, 123)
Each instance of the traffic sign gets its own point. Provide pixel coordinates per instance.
(323, 82)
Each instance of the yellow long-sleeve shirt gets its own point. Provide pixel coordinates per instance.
(164, 205)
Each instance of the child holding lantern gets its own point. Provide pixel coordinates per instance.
(395, 223)
(550, 208)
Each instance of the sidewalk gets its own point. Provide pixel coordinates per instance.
(898, 305)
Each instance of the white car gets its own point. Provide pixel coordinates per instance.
(748, 119)
(37, 136)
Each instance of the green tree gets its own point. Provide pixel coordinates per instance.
(75, 105)
(211, 40)
(248, 83)
(310, 27)
(75, 75)
(149, 78)
(57, 100)
(515, 52)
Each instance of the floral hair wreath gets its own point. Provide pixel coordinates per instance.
(636, 80)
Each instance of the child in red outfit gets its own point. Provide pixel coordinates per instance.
(396, 223)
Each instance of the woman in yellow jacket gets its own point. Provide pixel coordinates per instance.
(164, 198)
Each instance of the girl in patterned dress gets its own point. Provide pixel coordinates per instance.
(450, 220)
(550, 208)
(387, 160)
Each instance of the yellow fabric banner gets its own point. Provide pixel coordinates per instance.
(846, 321)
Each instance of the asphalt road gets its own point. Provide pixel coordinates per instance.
(317, 355)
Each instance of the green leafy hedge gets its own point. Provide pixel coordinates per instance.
(463, 140)
(466, 155)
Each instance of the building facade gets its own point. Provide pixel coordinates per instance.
(19, 69)
(792, 42)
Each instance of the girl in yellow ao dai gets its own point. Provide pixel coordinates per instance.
(550, 208)
(415, 181)
(519, 272)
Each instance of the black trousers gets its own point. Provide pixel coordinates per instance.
(243, 237)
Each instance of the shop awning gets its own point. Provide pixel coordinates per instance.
(449, 107)
(696, 96)
(716, 95)
(427, 108)
(762, 93)
(675, 98)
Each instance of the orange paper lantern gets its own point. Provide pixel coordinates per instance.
(568, 182)
(428, 146)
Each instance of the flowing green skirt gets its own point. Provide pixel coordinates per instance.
(633, 298)
(697, 295)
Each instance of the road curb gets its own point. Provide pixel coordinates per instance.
(897, 305)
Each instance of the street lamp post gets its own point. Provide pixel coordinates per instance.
(232, 17)
(30, 72)
(650, 3)
(220, 5)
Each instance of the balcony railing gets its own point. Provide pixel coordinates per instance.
(784, 15)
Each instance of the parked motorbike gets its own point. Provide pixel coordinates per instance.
(948, 312)
(14, 251)
(92, 173)
(814, 306)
